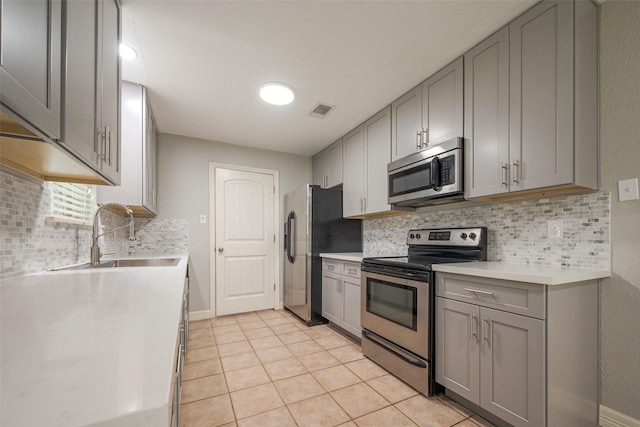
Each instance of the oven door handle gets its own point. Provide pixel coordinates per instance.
(397, 351)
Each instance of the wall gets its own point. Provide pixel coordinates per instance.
(32, 243)
(620, 157)
(517, 231)
(183, 192)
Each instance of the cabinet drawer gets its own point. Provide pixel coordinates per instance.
(332, 265)
(514, 297)
(351, 269)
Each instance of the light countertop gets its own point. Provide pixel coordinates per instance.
(344, 256)
(543, 275)
(90, 347)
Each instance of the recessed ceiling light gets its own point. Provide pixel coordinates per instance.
(276, 93)
(127, 52)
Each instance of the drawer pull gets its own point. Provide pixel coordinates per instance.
(477, 291)
(331, 267)
(352, 270)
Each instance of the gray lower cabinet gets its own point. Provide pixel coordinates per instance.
(367, 151)
(525, 353)
(138, 188)
(429, 113)
(91, 106)
(341, 294)
(531, 103)
(30, 68)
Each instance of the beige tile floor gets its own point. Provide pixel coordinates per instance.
(269, 369)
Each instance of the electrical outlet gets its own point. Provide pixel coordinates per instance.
(628, 189)
(203, 219)
(554, 228)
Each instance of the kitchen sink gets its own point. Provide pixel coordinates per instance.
(117, 263)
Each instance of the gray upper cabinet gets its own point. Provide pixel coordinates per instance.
(367, 151)
(150, 156)
(108, 105)
(353, 187)
(486, 116)
(327, 166)
(430, 113)
(91, 105)
(138, 189)
(442, 99)
(552, 97)
(79, 133)
(406, 124)
(541, 68)
(30, 68)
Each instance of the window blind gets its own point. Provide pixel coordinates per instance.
(72, 202)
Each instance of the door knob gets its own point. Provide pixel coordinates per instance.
(220, 250)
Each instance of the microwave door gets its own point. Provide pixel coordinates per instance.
(406, 182)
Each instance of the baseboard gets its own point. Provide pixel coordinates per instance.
(611, 418)
(199, 315)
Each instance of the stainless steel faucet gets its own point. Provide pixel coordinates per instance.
(95, 247)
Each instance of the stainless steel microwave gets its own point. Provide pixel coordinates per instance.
(430, 176)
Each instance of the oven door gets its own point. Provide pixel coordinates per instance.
(397, 309)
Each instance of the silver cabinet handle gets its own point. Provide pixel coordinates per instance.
(331, 267)
(220, 250)
(352, 270)
(102, 145)
(361, 208)
(505, 173)
(418, 140)
(425, 137)
(477, 291)
(108, 145)
(486, 332)
(364, 203)
(475, 326)
(516, 172)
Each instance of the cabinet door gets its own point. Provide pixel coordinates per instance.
(353, 183)
(457, 361)
(331, 298)
(541, 96)
(109, 95)
(334, 165)
(149, 169)
(79, 133)
(377, 137)
(30, 58)
(486, 118)
(351, 295)
(320, 169)
(406, 123)
(442, 99)
(512, 367)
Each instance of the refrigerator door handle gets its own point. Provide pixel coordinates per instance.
(290, 218)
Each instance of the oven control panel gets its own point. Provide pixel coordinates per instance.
(474, 236)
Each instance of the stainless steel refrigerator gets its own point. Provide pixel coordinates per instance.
(314, 225)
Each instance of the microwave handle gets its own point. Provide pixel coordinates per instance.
(436, 182)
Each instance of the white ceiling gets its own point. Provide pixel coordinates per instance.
(204, 61)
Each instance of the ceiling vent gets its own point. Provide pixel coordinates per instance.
(321, 110)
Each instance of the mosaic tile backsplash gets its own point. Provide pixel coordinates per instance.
(517, 231)
(32, 243)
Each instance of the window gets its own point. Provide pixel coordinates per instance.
(72, 203)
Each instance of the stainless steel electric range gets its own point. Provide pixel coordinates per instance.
(398, 297)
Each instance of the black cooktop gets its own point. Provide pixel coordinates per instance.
(434, 246)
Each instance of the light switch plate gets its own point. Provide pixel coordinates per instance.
(203, 219)
(628, 189)
(554, 228)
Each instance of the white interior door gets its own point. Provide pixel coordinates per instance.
(244, 241)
